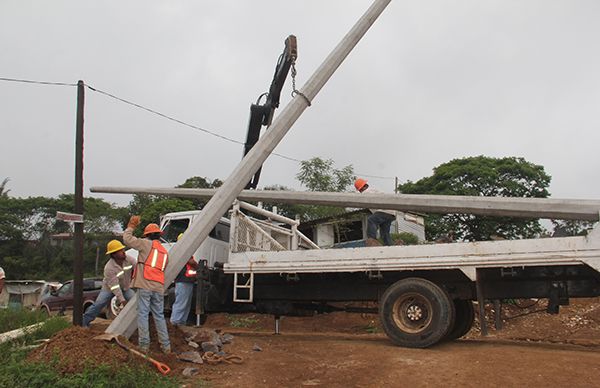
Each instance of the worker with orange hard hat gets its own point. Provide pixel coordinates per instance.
(379, 219)
(149, 279)
(116, 281)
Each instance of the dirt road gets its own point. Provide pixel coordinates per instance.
(350, 350)
(346, 360)
(336, 350)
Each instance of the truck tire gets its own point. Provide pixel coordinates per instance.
(463, 321)
(416, 313)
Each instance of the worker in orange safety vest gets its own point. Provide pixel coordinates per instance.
(184, 288)
(149, 279)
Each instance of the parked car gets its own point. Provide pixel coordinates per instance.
(61, 300)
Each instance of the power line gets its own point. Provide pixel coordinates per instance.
(26, 81)
(165, 117)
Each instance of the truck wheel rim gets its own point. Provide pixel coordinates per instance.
(412, 313)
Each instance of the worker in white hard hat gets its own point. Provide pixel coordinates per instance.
(184, 287)
(117, 281)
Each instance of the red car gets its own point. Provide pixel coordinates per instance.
(62, 299)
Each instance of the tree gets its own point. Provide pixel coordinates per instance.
(3, 190)
(317, 174)
(27, 227)
(483, 176)
(152, 207)
(320, 175)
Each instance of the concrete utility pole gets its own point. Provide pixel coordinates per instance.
(560, 209)
(241, 175)
(78, 237)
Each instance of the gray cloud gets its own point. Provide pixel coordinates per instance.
(431, 81)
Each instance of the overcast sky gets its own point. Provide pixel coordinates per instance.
(431, 81)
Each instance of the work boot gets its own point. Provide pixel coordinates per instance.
(166, 350)
(144, 349)
(372, 242)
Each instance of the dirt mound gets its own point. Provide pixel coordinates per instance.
(75, 348)
(527, 320)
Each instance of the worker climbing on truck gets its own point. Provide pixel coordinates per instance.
(379, 219)
(149, 279)
(117, 281)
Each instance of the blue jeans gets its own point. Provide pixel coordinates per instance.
(183, 302)
(101, 302)
(383, 221)
(151, 301)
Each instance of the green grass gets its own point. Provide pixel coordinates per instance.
(246, 321)
(11, 319)
(16, 371)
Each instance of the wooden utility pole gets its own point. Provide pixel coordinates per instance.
(78, 237)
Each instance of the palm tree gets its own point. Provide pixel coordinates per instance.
(3, 190)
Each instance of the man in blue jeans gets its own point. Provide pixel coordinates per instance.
(379, 219)
(184, 287)
(149, 279)
(117, 281)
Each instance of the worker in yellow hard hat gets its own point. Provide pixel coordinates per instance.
(116, 281)
(379, 219)
(149, 279)
(184, 287)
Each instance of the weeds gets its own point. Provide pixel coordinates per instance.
(246, 322)
(16, 371)
(11, 319)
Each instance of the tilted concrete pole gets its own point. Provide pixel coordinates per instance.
(554, 208)
(125, 322)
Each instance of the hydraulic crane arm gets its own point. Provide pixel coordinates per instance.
(262, 115)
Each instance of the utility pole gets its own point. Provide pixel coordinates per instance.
(396, 185)
(78, 237)
(124, 323)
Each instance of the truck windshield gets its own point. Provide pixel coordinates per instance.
(173, 228)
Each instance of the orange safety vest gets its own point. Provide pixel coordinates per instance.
(156, 262)
(190, 272)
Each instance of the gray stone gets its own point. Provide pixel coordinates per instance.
(226, 338)
(193, 344)
(190, 372)
(210, 346)
(257, 348)
(191, 356)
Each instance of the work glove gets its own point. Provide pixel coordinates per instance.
(134, 221)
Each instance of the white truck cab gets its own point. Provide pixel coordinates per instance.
(214, 248)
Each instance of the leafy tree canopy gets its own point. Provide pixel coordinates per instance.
(483, 176)
(320, 175)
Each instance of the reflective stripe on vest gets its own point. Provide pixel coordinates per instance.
(154, 266)
(190, 272)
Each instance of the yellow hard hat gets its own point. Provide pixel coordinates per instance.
(180, 236)
(114, 246)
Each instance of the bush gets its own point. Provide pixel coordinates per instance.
(406, 237)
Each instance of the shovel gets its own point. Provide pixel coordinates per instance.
(162, 368)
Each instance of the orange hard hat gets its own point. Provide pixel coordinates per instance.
(151, 228)
(359, 184)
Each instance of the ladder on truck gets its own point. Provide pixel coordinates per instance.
(269, 233)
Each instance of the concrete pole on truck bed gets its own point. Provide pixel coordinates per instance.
(519, 207)
(125, 322)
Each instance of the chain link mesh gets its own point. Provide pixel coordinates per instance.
(248, 238)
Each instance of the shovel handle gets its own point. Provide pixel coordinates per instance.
(162, 368)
